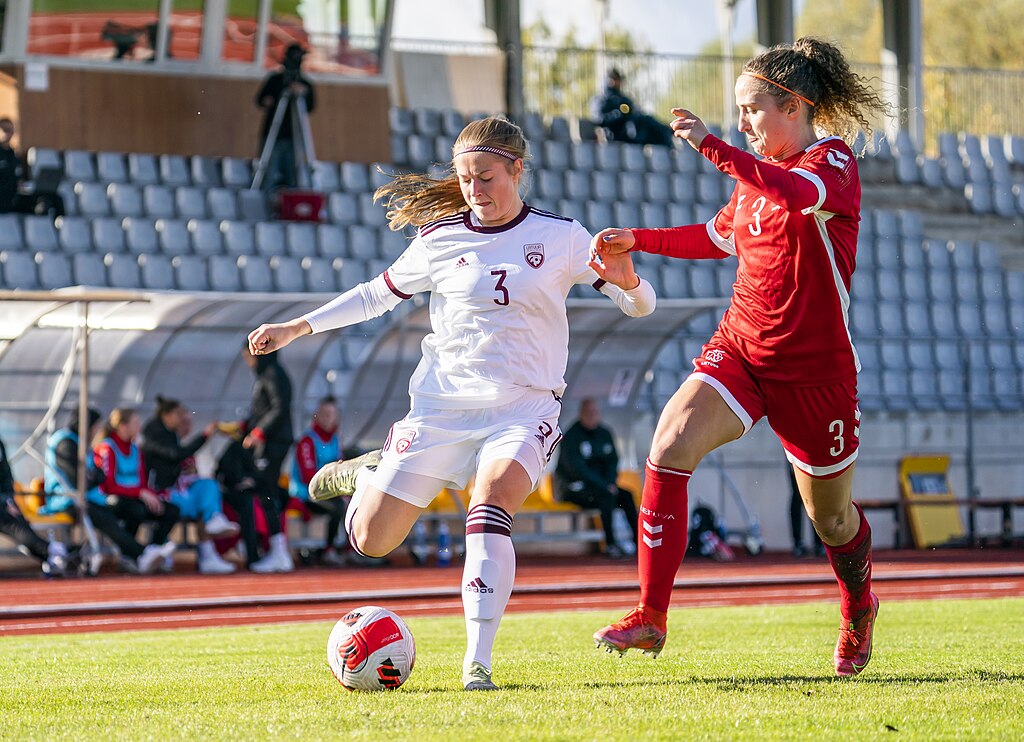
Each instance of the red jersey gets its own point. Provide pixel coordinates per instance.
(793, 225)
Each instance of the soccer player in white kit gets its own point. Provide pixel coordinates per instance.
(486, 394)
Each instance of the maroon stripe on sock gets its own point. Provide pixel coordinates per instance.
(488, 527)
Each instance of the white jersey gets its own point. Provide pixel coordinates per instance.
(497, 307)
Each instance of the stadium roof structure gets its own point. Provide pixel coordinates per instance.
(187, 346)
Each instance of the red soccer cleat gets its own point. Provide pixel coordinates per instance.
(642, 628)
(853, 650)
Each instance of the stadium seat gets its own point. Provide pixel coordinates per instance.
(221, 203)
(947, 355)
(556, 155)
(965, 282)
(725, 276)
(703, 282)
(604, 186)
(559, 129)
(919, 353)
(325, 176)
(270, 238)
(157, 272)
(633, 159)
(533, 127)
(224, 273)
(443, 149)
(864, 320)
(979, 196)
(892, 353)
(204, 171)
(40, 157)
(704, 213)
(158, 202)
(143, 169)
(583, 156)
(549, 184)
(174, 171)
(625, 213)
(658, 187)
(675, 281)
(968, 318)
(88, 269)
(679, 214)
(287, 274)
(573, 209)
(371, 214)
(40, 234)
(598, 216)
(78, 166)
(92, 199)
(683, 189)
(917, 319)
(994, 319)
(709, 189)
(66, 190)
(380, 174)
(391, 244)
(343, 208)
(256, 274)
(320, 275)
(190, 273)
(108, 235)
(576, 185)
(173, 236)
(125, 199)
(653, 216)
(609, 156)
(631, 187)
(659, 159)
(19, 270)
(896, 389)
(330, 241)
(931, 172)
(889, 287)
(867, 352)
(300, 239)
(427, 121)
(940, 286)
(252, 205)
(140, 236)
(122, 271)
(54, 270)
(452, 122)
(421, 151)
(862, 286)
(944, 320)
(74, 234)
(206, 237)
(110, 167)
(401, 120)
(362, 242)
(235, 172)
(354, 177)
(351, 272)
(923, 388)
(190, 202)
(907, 169)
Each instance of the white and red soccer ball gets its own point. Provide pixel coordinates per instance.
(371, 648)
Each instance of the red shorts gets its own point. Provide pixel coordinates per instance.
(819, 426)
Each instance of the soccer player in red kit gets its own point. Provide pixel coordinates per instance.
(783, 348)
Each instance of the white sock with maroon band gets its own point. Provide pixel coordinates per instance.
(487, 579)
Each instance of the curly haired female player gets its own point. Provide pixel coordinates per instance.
(783, 349)
(486, 394)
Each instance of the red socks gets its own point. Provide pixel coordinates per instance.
(664, 523)
(852, 564)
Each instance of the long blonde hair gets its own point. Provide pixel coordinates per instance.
(818, 72)
(118, 417)
(418, 199)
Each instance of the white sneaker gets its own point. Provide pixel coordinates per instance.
(56, 559)
(211, 563)
(219, 526)
(278, 559)
(153, 556)
(168, 565)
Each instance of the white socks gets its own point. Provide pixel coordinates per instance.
(487, 578)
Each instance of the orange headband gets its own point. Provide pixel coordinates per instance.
(783, 87)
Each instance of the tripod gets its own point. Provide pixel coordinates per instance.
(302, 139)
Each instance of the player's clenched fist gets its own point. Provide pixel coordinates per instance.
(612, 241)
(687, 126)
(268, 338)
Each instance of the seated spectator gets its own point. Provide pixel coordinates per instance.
(170, 470)
(54, 556)
(317, 447)
(11, 169)
(587, 470)
(623, 121)
(60, 477)
(242, 485)
(122, 502)
(38, 197)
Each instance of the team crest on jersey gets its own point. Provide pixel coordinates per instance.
(714, 355)
(534, 254)
(404, 442)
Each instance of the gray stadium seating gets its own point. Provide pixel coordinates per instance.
(140, 236)
(255, 273)
(122, 271)
(157, 272)
(206, 237)
(88, 269)
(325, 176)
(108, 235)
(224, 273)
(40, 234)
(79, 166)
(239, 238)
(300, 239)
(583, 156)
(19, 270)
(204, 171)
(74, 233)
(190, 273)
(354, 177)
(331, 241)
(174, 171)
(92, 199)
(158, 202)
(174, 237)
(190, 202)
(125, 199)
(143, 169)
(270, 239)
(110, 167)
(362, 243)
(221, 203)
(287, 274)
(252, 205)
(54, 270)
(235, 172)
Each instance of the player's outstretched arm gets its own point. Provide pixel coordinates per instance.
(688, 127)
(268, 338)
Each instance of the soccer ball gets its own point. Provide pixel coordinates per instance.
(371, 649)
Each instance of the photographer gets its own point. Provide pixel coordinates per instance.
(623, 121)
(287, 80)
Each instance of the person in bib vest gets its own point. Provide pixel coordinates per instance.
(317, 447)
(486, 395)
(124, 497)
(783, 349)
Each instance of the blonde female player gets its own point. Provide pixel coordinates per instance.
(485, 396)
(782, 350)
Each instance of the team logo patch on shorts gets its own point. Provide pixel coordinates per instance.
(534, 255)
(405, 441)
(714, 355)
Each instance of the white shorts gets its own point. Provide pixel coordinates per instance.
(433, 448)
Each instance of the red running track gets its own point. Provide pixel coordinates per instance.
(121, 603)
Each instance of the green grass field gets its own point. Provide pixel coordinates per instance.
(941, 670)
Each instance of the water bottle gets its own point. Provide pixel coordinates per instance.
(444, 545)
(420, 549)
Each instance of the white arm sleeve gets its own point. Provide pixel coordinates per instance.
(365, 301)
(638, 302)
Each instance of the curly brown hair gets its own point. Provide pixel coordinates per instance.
(418, 199)
(818, 71)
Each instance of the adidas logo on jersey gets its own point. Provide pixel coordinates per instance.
(462, 263)
(477, 586)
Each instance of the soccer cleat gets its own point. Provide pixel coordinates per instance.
(338, 479)
(638, 629)
(478, 677)
(853, 650)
